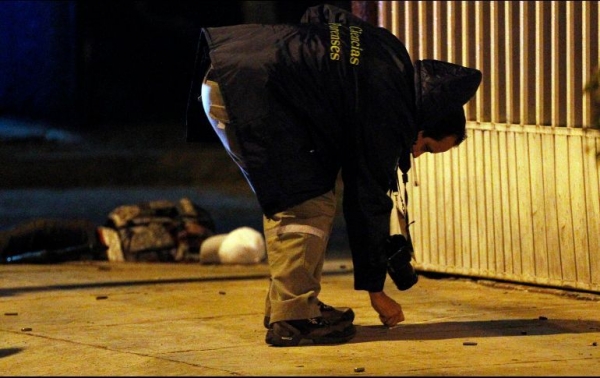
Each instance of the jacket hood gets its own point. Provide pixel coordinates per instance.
(441, 87)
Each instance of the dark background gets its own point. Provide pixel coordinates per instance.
(92, 109)
(87, 65)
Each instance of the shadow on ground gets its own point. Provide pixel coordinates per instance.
(472, 329)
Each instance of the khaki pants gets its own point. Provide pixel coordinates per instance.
(296, 242)
(296, 238)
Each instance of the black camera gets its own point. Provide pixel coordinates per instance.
(399, 254)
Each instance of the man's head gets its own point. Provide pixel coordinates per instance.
(443, 135)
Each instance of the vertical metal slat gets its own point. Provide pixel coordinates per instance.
(571, 101)
(395, 18)
(524, 52)
(451, 36)
(479, 51)
(437, 31)
(539, 62)
(555, 64)
(494, 63)
(423, 36)
(585, 61)
(409, 26)
(510, 70)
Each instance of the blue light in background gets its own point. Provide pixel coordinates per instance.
(38, 59)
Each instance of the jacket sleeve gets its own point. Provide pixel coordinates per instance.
(378, 133)
(381, 138)
(367, 208)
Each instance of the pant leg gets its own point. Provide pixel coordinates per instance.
(296, 242)
(296, 238)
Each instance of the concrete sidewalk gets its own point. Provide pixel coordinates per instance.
(102, 319)
(134, 319)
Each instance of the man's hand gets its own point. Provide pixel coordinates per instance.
(390, 311)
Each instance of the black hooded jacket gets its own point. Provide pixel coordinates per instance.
(331, 93)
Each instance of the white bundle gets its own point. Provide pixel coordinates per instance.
(243, 245)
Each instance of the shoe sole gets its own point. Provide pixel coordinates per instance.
(286, 341)
(346, 316)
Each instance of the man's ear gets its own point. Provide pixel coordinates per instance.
(419, 137)
(417, 142)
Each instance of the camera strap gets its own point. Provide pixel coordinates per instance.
(403, 166)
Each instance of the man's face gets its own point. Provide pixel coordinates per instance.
(426, 144)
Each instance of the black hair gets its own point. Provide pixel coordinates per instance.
(453, 123)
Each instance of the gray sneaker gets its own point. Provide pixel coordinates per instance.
(332, 314)
(315, 330)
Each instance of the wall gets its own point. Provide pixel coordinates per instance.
(519, 199)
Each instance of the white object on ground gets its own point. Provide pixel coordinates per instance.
(243, 245)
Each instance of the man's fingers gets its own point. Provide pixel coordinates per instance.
(388, 322)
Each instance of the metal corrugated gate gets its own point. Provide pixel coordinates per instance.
(519, 200)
